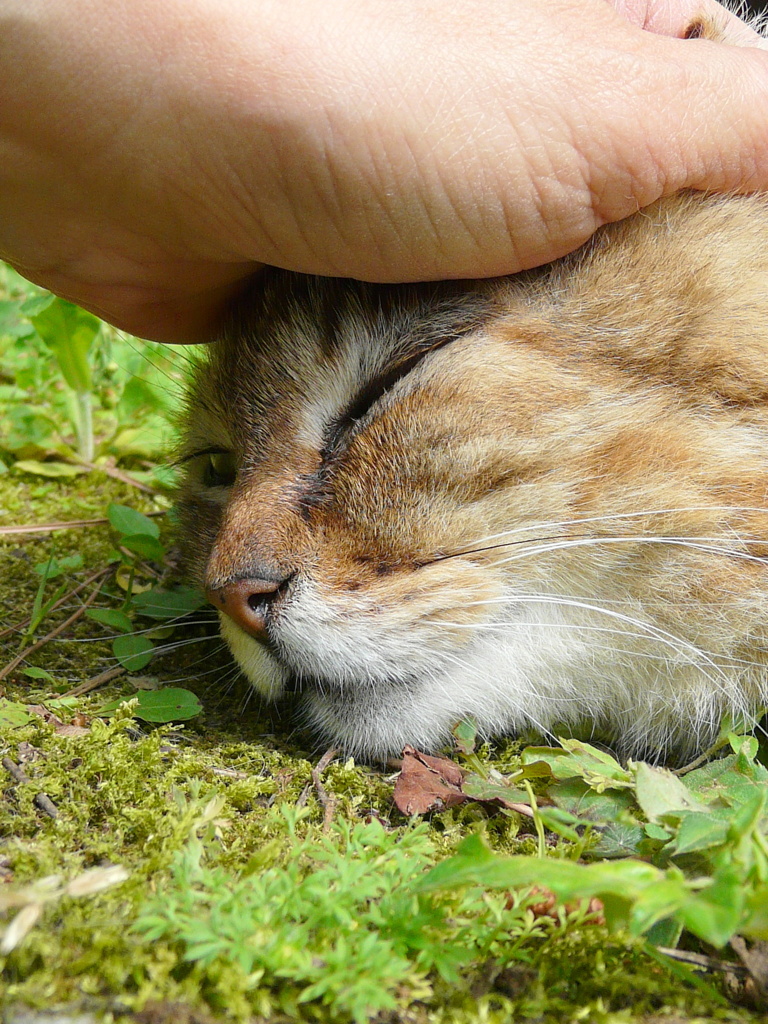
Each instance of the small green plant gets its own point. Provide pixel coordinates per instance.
(169, 704)
(138, 538)
(335, 920)
(74, 390)
(69, 332)
(41, 606)
(702, 837)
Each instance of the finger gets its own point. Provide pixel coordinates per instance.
(188, 314)
(677, 18)
(710, 120)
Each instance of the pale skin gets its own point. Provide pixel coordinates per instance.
(154, 155)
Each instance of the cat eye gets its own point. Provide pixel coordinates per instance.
(220, 469)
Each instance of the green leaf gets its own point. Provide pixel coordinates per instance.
(745, 745)
(475, 864)
(49, 469)
(596, 767)
(142, 544)
(715, 913)
(128, 522)
(660, 793)
(618, 840)
(699, 831)
(58, 566)
(465, 735)
(69, 331)
(148, 441)
(578, 797)
(35, 304)
(493, 789)
(171, 704)
(665, 933)
(12, 714)
(563, 823)
(755, 924)
(33, 672)
(133, 652)
(111, 617)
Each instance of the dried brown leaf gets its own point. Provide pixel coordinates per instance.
(427, 783)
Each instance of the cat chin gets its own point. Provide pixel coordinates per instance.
(263, 672)
(514, 677)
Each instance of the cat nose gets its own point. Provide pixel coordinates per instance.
(246, 602)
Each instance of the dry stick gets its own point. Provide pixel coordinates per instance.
(524, 809)
(126, 478)
(95, 681)
(706, 963)
(15, 662)
(40, 800)
(328, 802)
(62, 600)
(229, 773)
(72, 524)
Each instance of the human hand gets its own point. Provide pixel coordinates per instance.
(154, 155)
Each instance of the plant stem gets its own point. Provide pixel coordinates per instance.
(84, 425)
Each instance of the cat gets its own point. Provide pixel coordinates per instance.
(533, 501)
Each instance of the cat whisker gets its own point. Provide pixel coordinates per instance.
(694, 654)
(500, 627)
(708, 545)
(559, 524)
(139, 632)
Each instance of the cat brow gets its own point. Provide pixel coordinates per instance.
(367, 397)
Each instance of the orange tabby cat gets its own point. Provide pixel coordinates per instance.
(533, 500)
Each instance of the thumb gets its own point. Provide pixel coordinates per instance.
(699, 121)
(710, 118)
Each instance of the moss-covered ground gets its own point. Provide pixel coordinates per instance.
(244, 900)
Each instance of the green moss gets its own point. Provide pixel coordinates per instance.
(137, 796)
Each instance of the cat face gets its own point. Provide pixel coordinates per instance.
(535, 500)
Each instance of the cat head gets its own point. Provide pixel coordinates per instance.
(534, 500)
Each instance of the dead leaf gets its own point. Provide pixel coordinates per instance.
(427, 783)
(144, 682)
(73, 729)
(22, 923)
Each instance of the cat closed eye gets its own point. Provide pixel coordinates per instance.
(220, 469)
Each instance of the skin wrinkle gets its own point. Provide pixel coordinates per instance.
(255, 84)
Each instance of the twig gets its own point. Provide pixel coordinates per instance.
(15, 662)
(126, 478)
(702, 758)
(229, 773)
(41, 800)
(72, 524)
(521, 809)
(327, 802)
(62, 600)
(95, 681)
(706, 963)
